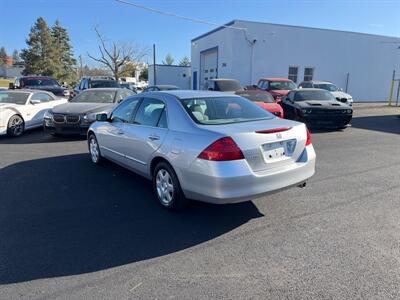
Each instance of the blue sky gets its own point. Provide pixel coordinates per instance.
(122, 23)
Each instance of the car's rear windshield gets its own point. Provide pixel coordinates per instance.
(281, 85)
(223, 110)
(313, 95)
(326, 86)
(227, 85)
(13, 97)
(259, 97)
(104, 84)
(95, 97)
(37, 82)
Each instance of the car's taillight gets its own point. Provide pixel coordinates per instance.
(308, 140)
(223, 149)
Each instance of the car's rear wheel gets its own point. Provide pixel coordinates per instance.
(94, 149)
(167, 188)
(15, 126)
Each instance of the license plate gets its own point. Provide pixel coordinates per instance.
(278, 150)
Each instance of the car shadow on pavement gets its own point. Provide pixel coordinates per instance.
(387, 123)
(65, 216)
(38, 136)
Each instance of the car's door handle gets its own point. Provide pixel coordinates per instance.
(154, 137)
(119, 131)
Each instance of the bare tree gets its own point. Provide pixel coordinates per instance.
(115, 56)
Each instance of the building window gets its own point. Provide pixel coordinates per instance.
(293, 71)
(308, 74)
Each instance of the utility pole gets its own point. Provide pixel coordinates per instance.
(154, 64)
(80, 67)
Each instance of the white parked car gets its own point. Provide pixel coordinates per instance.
(329, 86)
(24, 109)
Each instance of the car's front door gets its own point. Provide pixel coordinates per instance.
(37, 106)
(146, 134)
(112, 137)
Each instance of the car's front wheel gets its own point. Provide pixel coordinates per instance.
(167, 188)
(94, 149)
(15, 126)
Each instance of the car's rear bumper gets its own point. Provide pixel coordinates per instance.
(234, 181)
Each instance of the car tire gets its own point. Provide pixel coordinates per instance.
(167, 188)
(15, 126)
(94, 150)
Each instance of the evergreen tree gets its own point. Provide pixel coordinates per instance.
(39, 57)
(64, 61)
(169, 60)
(185, 62)
(15, 56)
(3, 56)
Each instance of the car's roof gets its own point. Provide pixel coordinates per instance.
(223, 79)
(105, 89)
(27, 91)
(317, 81)
(36, 77)
(276, 79)
(163, 86)
(189, 94)
(308, 89)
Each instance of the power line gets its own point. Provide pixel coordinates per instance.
(153, 10)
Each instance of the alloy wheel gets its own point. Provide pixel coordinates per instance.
(165, 187)
(94, 150)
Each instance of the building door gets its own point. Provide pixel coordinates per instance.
(209, 66)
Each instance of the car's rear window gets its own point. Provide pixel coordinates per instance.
(38, 82)
(224, 110)
(104, 84)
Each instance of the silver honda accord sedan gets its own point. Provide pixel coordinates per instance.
(205, 146)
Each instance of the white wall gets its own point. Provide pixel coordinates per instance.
(369, 59)
(173, 75)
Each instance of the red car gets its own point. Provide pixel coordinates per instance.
(264, 100)
(277, 87)
(261, 98)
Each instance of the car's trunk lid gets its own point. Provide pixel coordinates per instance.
(266, 144)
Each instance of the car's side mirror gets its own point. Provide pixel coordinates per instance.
(255, 86)
(35, 102)
(340, 90)
(102, 117)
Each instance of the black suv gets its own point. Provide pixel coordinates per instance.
(95, 82)
(44, 83)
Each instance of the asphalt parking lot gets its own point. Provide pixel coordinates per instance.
(73, 230)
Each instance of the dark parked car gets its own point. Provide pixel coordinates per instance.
(316, 108)
(95, 82)
(76, 116)
(164, 87)
(44, 83)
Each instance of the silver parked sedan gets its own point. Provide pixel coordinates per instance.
(206, 146)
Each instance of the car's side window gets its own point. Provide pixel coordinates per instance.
(124, 112)
(163, 123)
(149, 112)
(42, 97)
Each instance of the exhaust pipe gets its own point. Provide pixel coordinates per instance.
(302, 185)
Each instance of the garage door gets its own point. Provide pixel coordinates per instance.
(209, 66)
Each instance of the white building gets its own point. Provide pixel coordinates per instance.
(361, 63)
(171, 75)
